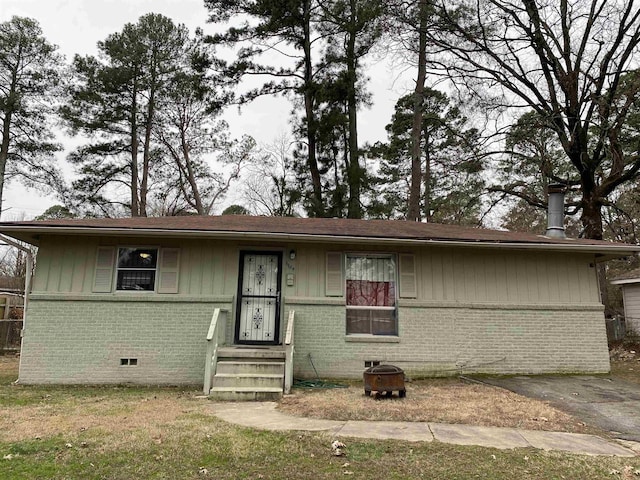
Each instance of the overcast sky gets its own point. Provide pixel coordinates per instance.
(76, 25)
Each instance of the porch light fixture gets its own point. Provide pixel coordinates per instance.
(292, 254)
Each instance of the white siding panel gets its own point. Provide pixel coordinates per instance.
(631, 293)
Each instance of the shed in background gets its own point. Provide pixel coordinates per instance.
(630, 284)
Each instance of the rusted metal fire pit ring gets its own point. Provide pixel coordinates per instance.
(384, 379)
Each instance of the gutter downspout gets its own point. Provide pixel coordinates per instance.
(27, 289)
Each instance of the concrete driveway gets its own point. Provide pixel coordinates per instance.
(608, 403)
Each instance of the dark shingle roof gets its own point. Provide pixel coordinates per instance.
(383, 229)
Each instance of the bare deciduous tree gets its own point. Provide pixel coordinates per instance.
(571, 61)
(270, 188)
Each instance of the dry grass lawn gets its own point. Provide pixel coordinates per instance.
(45, 413)
(48, 411)
(94, 433)
(93, 415)
(435, 400)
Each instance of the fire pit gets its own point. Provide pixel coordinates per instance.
(384, 379)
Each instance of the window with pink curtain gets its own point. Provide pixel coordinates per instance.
(371, 294)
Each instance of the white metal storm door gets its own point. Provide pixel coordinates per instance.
(259, 298)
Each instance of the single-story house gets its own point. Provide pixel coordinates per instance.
(630, 284)
(133, 299)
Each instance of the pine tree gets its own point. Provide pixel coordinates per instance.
(450, 163)
(287, 28)
(114, 101)
(29, 81)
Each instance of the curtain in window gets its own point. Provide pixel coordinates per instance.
(371, 281)
(371, 295)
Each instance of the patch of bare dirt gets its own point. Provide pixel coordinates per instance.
(435, 400)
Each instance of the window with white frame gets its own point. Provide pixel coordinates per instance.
(136, 268)
(371, 290)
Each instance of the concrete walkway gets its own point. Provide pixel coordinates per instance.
(264, 415)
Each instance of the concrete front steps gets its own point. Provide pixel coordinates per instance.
(248, 374)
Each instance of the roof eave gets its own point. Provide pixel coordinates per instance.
(31, 234)
(625, 281)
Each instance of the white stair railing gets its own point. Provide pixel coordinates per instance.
(215, 338)
(288, 351)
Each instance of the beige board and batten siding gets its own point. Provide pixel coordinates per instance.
(66, 264)
(467, 275)
(210, 267)
(492, 275)
(475, 310)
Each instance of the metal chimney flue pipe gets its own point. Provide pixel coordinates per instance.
(555, 211)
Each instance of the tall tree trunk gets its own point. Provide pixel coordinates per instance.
(135, 206)
(591, 214)
(317, 209)
(354, 171)
(146, 154)
(9, 107)
(191, 176)
(4, 149)
(592, 224)
(186, 173)
(427, 177)
(413, 211)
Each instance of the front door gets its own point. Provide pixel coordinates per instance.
(258, 317)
